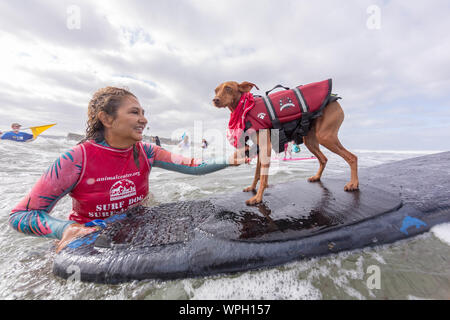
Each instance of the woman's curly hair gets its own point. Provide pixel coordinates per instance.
(108, 100)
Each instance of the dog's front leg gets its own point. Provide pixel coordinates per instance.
(252, 188)
(265, 149)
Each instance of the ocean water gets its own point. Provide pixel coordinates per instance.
(416, 268)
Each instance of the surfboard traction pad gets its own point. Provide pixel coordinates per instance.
(296, 220)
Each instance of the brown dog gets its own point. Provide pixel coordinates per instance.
(323, 131)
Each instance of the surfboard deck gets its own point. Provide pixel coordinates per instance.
(297, 219)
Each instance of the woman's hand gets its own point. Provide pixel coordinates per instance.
(73, 231)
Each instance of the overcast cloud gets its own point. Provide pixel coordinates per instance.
(393, 73)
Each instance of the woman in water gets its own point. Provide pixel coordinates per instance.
(105, 175)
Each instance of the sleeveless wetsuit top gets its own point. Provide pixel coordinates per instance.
(108, 169)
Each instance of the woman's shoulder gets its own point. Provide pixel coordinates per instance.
(74, 155)
(69, 161)
(150, 149)
(77, 150)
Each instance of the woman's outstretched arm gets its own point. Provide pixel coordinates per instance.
(159, 157)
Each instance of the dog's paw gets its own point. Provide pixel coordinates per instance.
(253, 200)
(249, 189)
(351, 186)
(314, 179)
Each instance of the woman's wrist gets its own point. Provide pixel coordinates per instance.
(60, 231)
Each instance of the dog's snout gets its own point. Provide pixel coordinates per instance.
(216, 100)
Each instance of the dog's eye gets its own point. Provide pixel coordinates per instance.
(228, 89)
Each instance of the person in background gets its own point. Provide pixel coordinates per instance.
(16, 135)
(295, 148)
(158, 143)
(287, 148)
(105, 174)
(184, 144)
(204, 144)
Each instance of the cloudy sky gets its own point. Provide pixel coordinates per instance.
(389, 61)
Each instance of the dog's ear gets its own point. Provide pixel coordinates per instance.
(247, 86)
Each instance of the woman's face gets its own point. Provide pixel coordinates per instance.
(129, 123)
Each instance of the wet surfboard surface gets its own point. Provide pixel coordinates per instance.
(296, 209)
(296, 220)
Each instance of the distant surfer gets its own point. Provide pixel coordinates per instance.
(16, 134)
(105, 174)
(184, 144)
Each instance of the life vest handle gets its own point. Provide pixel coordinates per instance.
(277, 86)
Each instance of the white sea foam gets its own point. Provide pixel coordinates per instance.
(272, 284)
(442, 231)
(411, 297)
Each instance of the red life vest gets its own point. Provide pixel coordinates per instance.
(288, 105)
(109, 183)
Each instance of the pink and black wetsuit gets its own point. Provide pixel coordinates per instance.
(101, 180)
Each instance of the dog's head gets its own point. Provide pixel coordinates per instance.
(229, 93)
